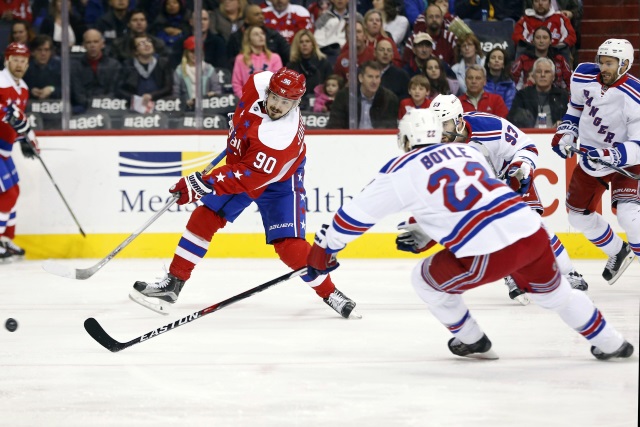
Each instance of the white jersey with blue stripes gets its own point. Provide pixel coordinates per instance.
(605, 115)
(505, 143)
(451, 192)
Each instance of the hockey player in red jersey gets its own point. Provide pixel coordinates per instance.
(457, 201)
(14, 128)
(265, 165)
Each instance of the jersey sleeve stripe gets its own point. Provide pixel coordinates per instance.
(344, 224)
(633, 94)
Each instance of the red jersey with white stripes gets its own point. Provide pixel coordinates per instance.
(260, 151)
(288, 22)
(10, 93)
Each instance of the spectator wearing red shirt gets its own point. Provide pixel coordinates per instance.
(11, 10)
(364, 52)
(476, 99)
(432, 23)
(419, 89)
(287, 19)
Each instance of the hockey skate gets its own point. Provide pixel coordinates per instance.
(617, 264)
(344, 306)
(13, 249)
(478, 350)
(577, 281)
(625, 350)
(5, 255)
(157, 296)
(515, 293)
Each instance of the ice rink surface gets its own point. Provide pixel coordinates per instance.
(283, 358)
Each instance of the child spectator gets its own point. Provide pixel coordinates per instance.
(499, 75)
(326, 93)
(419, 88)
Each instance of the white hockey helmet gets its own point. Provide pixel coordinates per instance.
(447, 107)
(419, 127)
(617, 48)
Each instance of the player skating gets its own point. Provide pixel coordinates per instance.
(604, 110)
(457, 201)
(511, 154)
(265, 165)
(14, 128)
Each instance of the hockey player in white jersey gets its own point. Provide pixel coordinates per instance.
(512, 155)
(604, 111)
(456, 201)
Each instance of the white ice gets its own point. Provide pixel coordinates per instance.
(283, 358)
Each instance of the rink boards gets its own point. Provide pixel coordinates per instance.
(115, 184)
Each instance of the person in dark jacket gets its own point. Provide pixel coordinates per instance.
(215, 51)
(137, 25)
(275, 42)
(499, 80)
(44, 75)
(113, 23)
(51, 25)
(94, 74)
(377, 106)
(393, 78)
(543, 104)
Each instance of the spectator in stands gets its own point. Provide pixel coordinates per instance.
(419, 89)
(184, 77)
(286, 18)
(395, 24)
(215, 51)
(153, 8)
(253, 16)
(521, 69)
(228, 18)
(21, 32)
(432, 23)
(499, 76)
(307, 59)
(317, 8)
(496, 10)
(330, 29)
(145, 75)
(476, 99)
(418, 53)
(377, 106)
(470, 53)
(136, 27)
(393, 78)
(16, 9)
(373, 33)
(172, 22)
(52, 25)
(255, 57)
(113, 23)
(364, 52)
(563, 36)
(413, 9)
(326, 93)
(44, 73)
(438, 80)
(543, 104)
(447, 16)
(94, 74)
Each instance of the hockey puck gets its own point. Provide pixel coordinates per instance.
(11, 325)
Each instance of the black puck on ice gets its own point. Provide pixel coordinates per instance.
(11, 325)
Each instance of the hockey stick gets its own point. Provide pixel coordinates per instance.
(607, 164)
(98, 333)
(84, 273)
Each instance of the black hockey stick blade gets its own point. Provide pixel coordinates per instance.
(98, 333)
(607, 164)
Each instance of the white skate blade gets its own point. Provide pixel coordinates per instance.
(8, 260)
(56, 269)
(522, 299)
(625, 264)
(487, 355)
(153, 304)
(355, 315)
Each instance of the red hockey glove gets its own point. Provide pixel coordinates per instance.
(321, 260)
(519, 176)
(566, 136)
(16, 119)
(191, 188)
(414, 239)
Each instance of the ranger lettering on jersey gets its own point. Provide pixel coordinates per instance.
(433, 158)
(598, 120)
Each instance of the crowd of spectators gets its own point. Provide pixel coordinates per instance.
(408, 52)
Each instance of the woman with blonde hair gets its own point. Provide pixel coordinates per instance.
(307, 59)
(374, 32)
(184, 77)
(228, 18)
(470, 52)
(254, 57)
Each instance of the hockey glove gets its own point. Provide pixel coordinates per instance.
(414, 239)
(321, 260)
(16, 118)
(191, 188)
(615, 156)
(29, 147)
(566, 136)
(519, 176)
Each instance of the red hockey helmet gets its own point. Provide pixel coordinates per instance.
(16, 49)
(288, 84)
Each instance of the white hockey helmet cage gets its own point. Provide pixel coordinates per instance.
(447, 107)
(419, 127)
(617, 48)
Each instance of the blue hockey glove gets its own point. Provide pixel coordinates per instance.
(616, 156)
(321, 260)
(519, 176)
